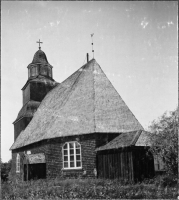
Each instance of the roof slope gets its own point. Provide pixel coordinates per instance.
(42, 79)
(134, 138)
(86, 102)
(28, 109)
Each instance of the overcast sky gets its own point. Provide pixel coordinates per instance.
(135, 43)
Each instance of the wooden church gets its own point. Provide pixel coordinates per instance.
(78, 128)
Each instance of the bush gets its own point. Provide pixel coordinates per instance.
(164, 140)
(166, 180)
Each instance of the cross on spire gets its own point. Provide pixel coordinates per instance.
(39, 44)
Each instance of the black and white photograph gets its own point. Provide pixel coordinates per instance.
(89, 100)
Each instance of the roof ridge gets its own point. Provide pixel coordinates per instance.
(79, 69)
(94, 98)
(118, 95)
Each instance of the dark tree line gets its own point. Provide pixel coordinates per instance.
(5, 169)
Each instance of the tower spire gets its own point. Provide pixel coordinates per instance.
(39, 44)
(92, 44)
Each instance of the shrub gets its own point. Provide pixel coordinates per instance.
(164, 140)
(166, 180)
(85, 189)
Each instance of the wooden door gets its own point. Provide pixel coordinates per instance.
(118, 165)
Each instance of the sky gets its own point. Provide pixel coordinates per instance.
(135, 44)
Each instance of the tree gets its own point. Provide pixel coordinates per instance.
(164, 140)
(5, 169)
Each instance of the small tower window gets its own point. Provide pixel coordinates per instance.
(43, 70)
(71, 155)
(33, 71)
(18, 163)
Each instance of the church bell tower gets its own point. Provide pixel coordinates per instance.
(40, 82)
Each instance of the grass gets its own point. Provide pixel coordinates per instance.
(87, 189)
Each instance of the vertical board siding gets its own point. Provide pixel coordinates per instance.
(130, 165)
(119, 167)
(143, 165)
(115, 166)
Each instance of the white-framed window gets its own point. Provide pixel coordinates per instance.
(18, 163)
(71, 155)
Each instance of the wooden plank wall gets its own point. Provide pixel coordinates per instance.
(132, 164)
(117, 165)
(143, 164)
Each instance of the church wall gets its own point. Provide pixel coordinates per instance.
(53, 154)
(38, 90)
(41, 147)
(55, 163)
(13, 165)
(88, 142)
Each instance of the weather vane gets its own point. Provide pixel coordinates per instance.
(39, 44)
(92, 43)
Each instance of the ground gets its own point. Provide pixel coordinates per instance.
(89, 189)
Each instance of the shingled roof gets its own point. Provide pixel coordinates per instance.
(134, 138)
(28, 110)
(42, 79)
(84, 103)
(40, 57)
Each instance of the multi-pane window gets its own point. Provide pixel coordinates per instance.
(18, 163)
(71, 155)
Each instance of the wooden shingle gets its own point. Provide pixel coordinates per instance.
(84, 103)
(134, 138)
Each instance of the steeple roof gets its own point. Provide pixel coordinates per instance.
(84, 103)
(40, 57)
(28, 110)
